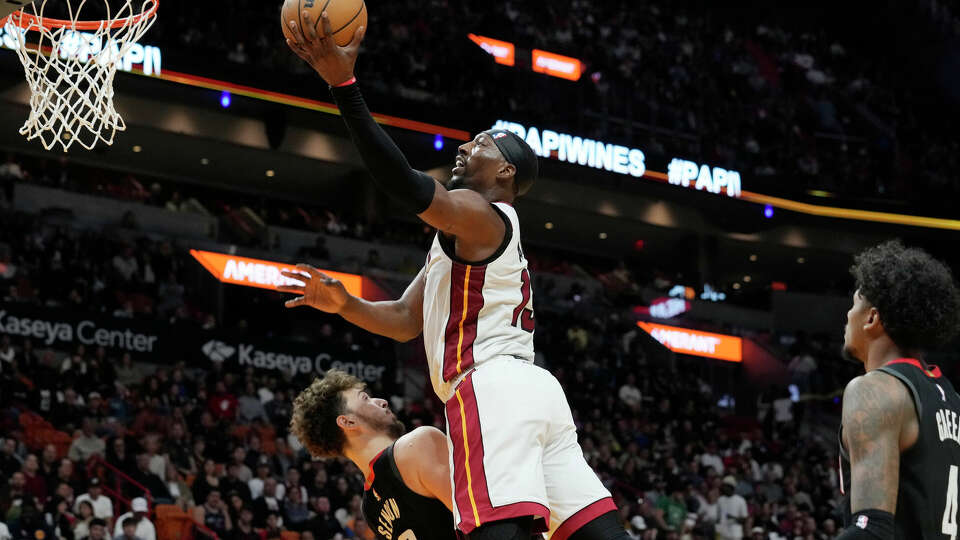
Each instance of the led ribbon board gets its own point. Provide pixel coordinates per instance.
(579, 151)
(264, 274)
(696, 343)
(503, 52)
(556, 65)
(85, 45)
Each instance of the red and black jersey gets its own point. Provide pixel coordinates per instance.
(395, 512)
(927, 498)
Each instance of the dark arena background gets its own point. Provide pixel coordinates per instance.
(708, 172)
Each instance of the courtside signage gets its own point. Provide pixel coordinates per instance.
(85, 45)
(716, 180)
(556, 65)
(263, 274)
(696, 343)
(503, 52)
(580, 151)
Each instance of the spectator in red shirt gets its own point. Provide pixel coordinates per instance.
(35, 484)
(222, 404)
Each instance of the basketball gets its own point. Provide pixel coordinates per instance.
(345, 16)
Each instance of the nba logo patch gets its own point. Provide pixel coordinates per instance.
(862, 522)
(499, 135)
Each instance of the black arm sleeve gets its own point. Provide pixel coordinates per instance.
(386, 162)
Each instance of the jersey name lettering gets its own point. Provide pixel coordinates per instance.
(389, 513)
(947, 425)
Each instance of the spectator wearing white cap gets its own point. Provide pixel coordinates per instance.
(102, 506)
(733, 511)
(138, 511)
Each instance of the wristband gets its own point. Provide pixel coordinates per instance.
(348, 82)
(869, 524)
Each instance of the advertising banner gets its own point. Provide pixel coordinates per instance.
(162, 343)
(695, 342)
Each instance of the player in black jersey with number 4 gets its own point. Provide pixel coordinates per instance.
(900, 436)
(407, 490)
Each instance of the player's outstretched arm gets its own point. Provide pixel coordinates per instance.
(876, 407)
(462, 213)
(422, 460)
(400, 319)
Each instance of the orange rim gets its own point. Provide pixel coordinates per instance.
(26, 21)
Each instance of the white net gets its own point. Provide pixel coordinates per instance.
(70, 65)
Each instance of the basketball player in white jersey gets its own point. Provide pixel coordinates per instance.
(516, 467)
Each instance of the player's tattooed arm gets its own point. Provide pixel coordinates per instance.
(876, 407)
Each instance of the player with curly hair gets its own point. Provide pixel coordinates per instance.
(407, 490)
(900, 432)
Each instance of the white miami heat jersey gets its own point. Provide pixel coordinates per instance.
(475, 312)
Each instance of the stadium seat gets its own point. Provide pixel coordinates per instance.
(173, 523)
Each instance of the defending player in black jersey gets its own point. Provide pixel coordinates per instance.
(900, 436)
(407, 490)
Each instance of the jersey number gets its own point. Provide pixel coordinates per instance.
(522, 314)
(949, 527)
(407, 535)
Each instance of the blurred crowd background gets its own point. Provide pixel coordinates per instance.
(106, 442)
(206, 442)
(792, 97)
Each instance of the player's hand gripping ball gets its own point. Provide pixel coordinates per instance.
(326, 34)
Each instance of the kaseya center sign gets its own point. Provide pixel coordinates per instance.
(160, 342)
(261, 357)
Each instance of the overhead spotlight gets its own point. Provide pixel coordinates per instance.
(603, 236)
(746, 279)
(548, 225)
(271, 173)
(137, 149)
(753, 257)
(801, 260)
(204, 161)
(736, 286)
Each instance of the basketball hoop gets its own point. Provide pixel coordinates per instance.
(70, 69)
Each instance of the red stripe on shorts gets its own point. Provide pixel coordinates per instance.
(582, 517)
(469, 475)
(466, 301)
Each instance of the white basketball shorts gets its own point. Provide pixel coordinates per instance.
(513, 452)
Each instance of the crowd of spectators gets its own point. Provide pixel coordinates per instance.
(776, 101)
(682, 458)
(213, 440)
(682, 453)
